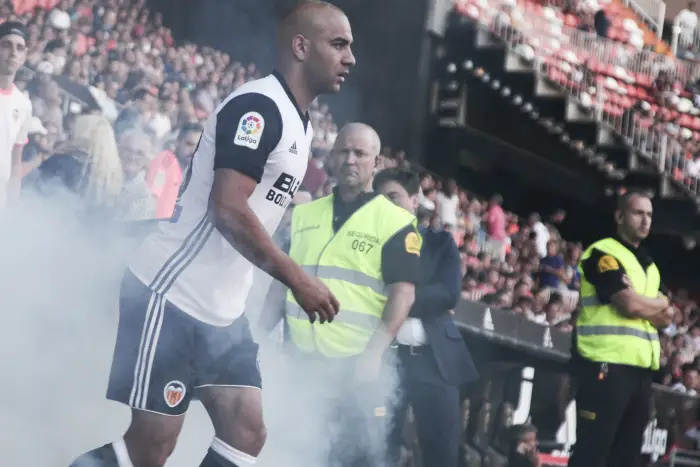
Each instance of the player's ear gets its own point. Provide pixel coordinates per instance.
(300, 47)
(414, 203)
(618, 217)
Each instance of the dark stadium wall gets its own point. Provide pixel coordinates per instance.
(387, 87)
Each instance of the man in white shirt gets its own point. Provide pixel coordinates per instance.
(687, 21)
(181, 333)
(15, 110)
(542, 233)
(448, 203)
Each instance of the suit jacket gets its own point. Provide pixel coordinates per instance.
(436, 294)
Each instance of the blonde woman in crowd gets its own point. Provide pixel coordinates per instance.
(87, 164)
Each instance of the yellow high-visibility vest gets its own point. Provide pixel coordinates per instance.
(349, 262)
(602, 333)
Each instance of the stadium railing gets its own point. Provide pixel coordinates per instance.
(605, 77)
(554, 39)
(652, 11)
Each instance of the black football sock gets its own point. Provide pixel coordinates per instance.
(221, 454)
(101, 457)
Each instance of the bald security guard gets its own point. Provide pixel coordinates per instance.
(367, 251)
(616, 342)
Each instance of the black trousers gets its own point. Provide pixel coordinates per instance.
(613, 404)
(436, 408)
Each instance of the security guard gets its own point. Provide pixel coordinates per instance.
(616, 341)
(367, 251)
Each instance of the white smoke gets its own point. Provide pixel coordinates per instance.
(59, 285)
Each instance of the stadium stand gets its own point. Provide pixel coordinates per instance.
(502, 277)
(85, 60)
(645, 97)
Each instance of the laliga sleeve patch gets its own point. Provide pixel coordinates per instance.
(413, 243)
(250, 130)
(608, 263)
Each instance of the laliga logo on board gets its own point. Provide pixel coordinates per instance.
(655, 440)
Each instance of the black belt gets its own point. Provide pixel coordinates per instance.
(413, 350)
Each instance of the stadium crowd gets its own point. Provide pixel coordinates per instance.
(129, 154)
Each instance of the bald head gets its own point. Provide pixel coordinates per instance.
(361, 132)
(355, 156)
(307, 19)
(313, 49)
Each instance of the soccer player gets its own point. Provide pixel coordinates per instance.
(15, 110)
(181, 333)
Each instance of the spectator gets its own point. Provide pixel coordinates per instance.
(423, 219)
(555, 221)
(693, 339)
(428, 200)
(676, 326)
(473, 218)
(55, 54)
(553, 310)
(447, 201)
(469, 290)
(689, 383)
(663, 88)
(601, 23)
(523, 305)
(495, 222)
(523, 447)
(136, 200)
(138, 113)
(490, 283)
(538, 315)
(673, 372)
(682, 345)
(47, 102)
(553, 268)
(573, 275)
(687, 21)
(522, 289)
(40, 147)
(165, 172)
(541, 234)
(87, 164)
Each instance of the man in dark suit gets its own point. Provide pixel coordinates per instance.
(435, 360)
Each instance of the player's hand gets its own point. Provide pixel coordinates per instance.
(313, 297)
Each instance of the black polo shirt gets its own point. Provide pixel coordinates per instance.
(606, 273)
(398, 265)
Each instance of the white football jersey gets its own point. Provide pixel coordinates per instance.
(260, 131)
